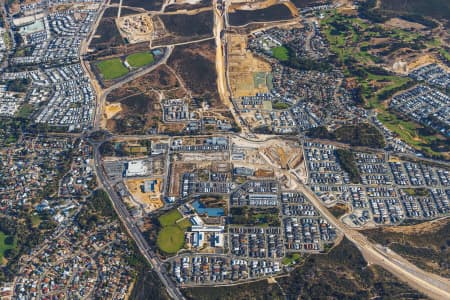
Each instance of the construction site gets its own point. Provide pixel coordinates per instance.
(273, 159)
(146, 192)
(135, 28)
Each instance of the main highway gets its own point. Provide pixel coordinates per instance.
(130, 226)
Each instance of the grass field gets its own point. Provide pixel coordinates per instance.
(184, 224)
(112, 68)
(281, 53)
(6, 39)
(171, 236)
(4, 246)
(281, 105)
(170, 239)
(445, 54)
(141, 59)
(169, 218)
(35, 220)
(290, 259)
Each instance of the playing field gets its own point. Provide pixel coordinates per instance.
(184, 224)
(171, 236)
(170, 239)
(112, 68)
(141, 59)
(169, 218)
(281, 53)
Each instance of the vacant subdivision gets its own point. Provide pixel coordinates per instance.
(249, 75)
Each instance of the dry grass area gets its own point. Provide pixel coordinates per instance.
(242, 65)
(403, 24)
(421, 61)
(264, 173)
(150, 200)
(421, 228)
(426, 244)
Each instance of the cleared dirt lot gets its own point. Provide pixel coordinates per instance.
(150, 200)
(244, 68)
(135, 28)
(112, 109)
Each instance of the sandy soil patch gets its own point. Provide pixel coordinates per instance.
(403, 24)
(151, 200)
(242, 68)
(419, 228)
(112, 109)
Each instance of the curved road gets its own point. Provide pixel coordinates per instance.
(432, 285)
(102, 95)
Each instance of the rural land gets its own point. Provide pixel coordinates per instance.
(224, 149)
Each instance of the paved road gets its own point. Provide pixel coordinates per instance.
(134, 231)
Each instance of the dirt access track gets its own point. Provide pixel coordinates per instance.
(421, 228)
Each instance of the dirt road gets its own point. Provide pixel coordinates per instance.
(222, 86)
